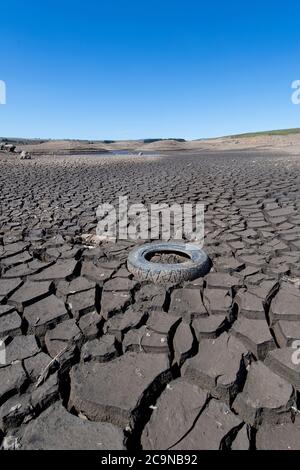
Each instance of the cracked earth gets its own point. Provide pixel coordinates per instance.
(97, 360)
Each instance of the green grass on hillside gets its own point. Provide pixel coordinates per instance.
(276, 132)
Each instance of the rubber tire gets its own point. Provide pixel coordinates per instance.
(196, 266)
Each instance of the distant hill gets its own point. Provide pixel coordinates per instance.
(295, 130)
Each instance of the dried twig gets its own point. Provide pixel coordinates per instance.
(43, 375)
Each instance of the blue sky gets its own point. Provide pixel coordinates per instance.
(133, 69)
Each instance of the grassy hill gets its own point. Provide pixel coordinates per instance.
(276, 132)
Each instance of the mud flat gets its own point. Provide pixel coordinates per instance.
(207, 364)
(282, 141)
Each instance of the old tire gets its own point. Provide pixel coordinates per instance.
(197, 264)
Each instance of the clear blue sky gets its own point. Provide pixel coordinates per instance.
(125, 69)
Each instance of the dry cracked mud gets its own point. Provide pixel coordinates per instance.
(96, 360)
